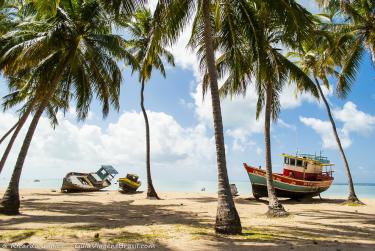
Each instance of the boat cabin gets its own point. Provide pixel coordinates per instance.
(132, 177)
(307, 167)
(105, 173)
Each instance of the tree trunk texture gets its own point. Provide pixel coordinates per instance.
(20, 124)
(352, 195)
(275, 208)
(8, 132)
(151, 193)
(227, 218)
(10, 203)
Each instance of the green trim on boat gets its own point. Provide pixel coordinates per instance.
(255, 179)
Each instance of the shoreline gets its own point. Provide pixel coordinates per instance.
(210, 193)
(184, 221)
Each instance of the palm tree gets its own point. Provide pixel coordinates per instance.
(23, 95)
(173, 17)
(72, 50)
(5, 16)
(322, 59)
(8, 133)
(149, 54)
(17, 128)
(258, 58)
(359, 20)
(13, 12)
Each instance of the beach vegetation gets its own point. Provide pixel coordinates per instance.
(324, 58)
(57, 53)
(72, 51)
(251, 60)
(16, 235)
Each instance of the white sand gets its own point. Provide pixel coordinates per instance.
(184, 221)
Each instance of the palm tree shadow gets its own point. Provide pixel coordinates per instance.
(314, 234)
(101, 215)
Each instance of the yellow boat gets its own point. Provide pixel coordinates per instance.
(130, 184)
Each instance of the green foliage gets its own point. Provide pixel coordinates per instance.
(332, 53)
(253, 52)
(45, 8)
(357, 19)
(35, 47)
(147, 50)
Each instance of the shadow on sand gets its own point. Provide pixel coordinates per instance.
(95, 216)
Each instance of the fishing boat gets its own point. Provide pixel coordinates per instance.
(129, 184)
(88, 182)
(304, 175)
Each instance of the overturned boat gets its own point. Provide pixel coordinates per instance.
(304, 175)
(129, 184)
(88, 182)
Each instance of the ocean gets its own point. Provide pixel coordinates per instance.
(339, 190)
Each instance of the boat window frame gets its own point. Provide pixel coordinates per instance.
(286, 160)
(292, 160)
(299, 163)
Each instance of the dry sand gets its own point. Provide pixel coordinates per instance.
(183, 221)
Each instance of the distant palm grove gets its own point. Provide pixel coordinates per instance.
(59, 53)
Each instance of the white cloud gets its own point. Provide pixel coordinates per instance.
(174, 149)
(282, 123)
(290, 99)
(310, 6)
(354, 121)
(241, 142)
(151, 4)
(324, 129)
(238, 113)
(186, 104)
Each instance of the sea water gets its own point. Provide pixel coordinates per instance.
(339, 190)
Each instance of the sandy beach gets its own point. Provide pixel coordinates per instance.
(182, 221)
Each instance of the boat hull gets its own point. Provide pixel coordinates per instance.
(78, 182)
(285, 186)
(128, 186)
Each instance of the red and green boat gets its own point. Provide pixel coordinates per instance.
(304, 175)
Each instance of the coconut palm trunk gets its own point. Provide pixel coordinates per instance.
(8, 132)
(20, 124)
(352, 195)
(10, 202)
(151, 193)
(275, 209)
(227, 218)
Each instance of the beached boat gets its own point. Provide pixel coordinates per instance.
(304, 175)
(130, 184)
(88, 182)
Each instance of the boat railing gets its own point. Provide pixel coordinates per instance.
(319, 158)
(327, 173)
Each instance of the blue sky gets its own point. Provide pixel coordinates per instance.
(181, 130)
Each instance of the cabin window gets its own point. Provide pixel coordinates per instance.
(305, 164)
(83, 181)
(299, 162)
(292, 162)
(286, 160)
